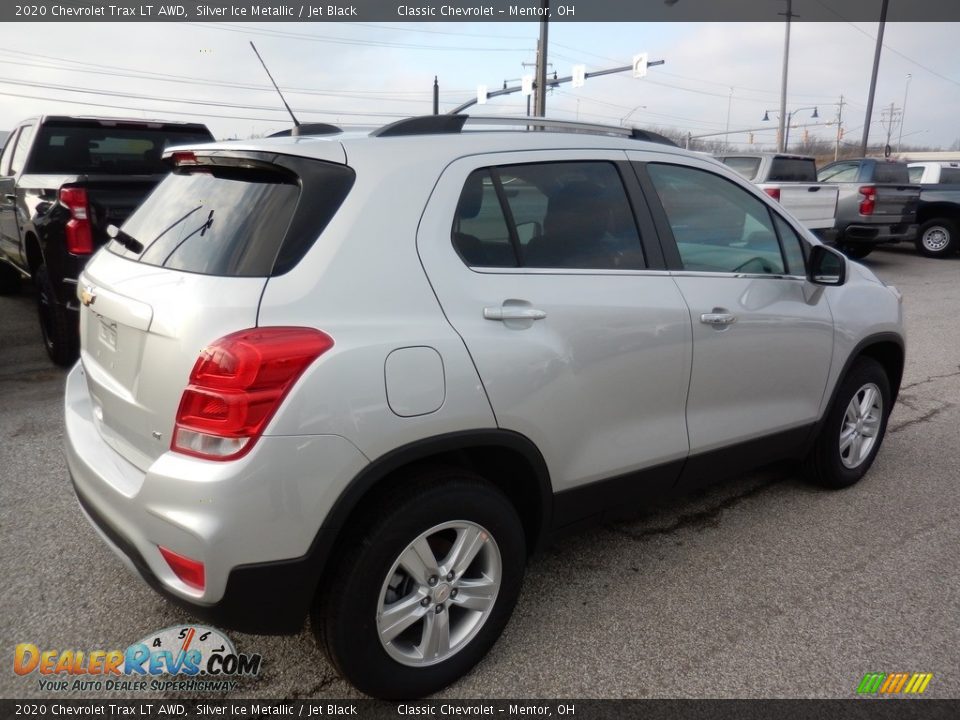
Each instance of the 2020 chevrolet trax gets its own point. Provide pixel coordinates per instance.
(366, 375)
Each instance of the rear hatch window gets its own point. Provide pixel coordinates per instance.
(235, 214)
(78, 147)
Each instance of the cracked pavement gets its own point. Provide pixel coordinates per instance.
(760, 587)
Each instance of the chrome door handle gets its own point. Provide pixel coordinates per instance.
(513, 313)
(9, 197)
(718, 318)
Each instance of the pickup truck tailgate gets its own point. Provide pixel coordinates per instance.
(896, 200)
(814, 205)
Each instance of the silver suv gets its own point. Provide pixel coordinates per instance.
(367, 375)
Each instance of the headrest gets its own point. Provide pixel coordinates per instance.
(472, 196)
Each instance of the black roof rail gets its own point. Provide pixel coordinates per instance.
(453, 124)
(423, 125)
(310, 129)
(649, 136)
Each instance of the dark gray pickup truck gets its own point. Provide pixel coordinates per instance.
(63, 182)
(876, 203)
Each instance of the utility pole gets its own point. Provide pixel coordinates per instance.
(726, 138)
(889, 118)
(873, 78)
(836, 152)
(781, 133)
(540, 108)
(436, 96)
(903, 111)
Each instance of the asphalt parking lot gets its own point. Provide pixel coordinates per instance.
(762, 587)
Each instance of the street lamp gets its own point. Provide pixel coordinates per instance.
(623, 120)
(786, 137)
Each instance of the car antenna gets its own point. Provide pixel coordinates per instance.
(296, 123)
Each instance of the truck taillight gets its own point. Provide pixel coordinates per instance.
(773, 192)
(236, 386)
(79, 234)
(869, 202)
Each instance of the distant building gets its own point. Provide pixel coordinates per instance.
(940, 156)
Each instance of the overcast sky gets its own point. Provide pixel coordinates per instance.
(350, 73)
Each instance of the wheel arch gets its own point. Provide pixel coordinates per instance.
(938, 211)
(507, 459)
(886, 348)
(33, 251)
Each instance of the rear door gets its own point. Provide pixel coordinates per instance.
(11, 166)
(546, 269)
(762, 335)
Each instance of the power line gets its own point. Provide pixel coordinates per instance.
(187, 101)
(135, 73)
(349, 41)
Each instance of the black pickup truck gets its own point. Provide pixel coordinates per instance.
(63, 182)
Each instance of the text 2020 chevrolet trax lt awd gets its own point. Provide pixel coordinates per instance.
(366, 375)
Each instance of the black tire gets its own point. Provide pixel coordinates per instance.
(9, 280)
(61, 336)
(938, 238)
(346, 616)
(856, 251)
(825, 465)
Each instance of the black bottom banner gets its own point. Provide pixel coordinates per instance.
(868, 709)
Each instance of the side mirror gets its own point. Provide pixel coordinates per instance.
(826, 266)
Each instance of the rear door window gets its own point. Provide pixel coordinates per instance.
(21, 149)
(839, 172)
(547, 215)
(745, 166)
(950, 175)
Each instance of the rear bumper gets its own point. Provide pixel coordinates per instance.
(254, 523)
(876, 234)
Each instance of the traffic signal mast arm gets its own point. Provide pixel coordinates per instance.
(551, 83)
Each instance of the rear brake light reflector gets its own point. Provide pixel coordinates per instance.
(869, 202)
(184, 158)
(189, 571)
(773, 192)
(236, 386)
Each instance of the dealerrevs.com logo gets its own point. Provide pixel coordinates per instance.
(190, 658)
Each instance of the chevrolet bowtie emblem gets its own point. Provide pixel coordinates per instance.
(87, 296)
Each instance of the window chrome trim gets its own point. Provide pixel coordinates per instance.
(641, 273)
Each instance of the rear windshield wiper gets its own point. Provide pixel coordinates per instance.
(128, 241)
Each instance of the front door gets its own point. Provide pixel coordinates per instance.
(762, 334)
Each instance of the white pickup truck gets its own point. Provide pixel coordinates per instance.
(792, 181)
(934, 173)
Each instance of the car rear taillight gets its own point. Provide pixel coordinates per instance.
(79, 236)
(869, 202)
(773, 192)
(236, 386)
(188, 570)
